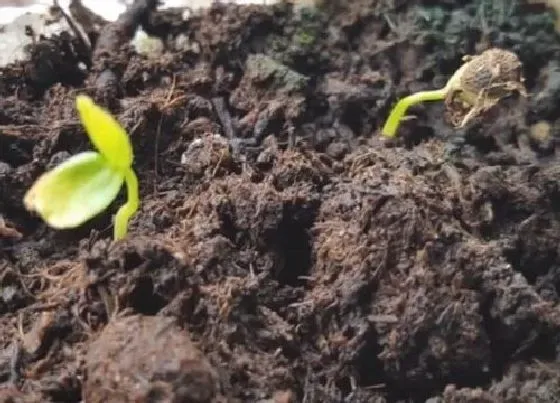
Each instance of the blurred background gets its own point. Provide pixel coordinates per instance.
(16, 15)
(11, 9)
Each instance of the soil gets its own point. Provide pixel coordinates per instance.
(283, 251)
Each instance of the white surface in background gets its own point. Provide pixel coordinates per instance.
(15, 15)
(108, 9)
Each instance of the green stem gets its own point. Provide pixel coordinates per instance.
(394, 119)
(128, 209)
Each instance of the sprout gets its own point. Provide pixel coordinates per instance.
(477, 86)
(85, 184)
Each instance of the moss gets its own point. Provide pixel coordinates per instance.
(264, 68)
(298, 46)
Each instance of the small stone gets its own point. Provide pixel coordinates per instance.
(5, 168)
(147, 45)
(337, 150)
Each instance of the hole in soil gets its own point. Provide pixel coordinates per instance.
(428, 75)
(532, 264)
(226, 212)
(16, 151)
(354, 31)
(131, 260)
(70, 140)
(294, 243)
(370, 369)
(352, 116)
(483, 144)
(142, 298)
(505, 348)
(463, 374)
(66, 392)
(295, 247)
(534, 250)
(413, 135)
(384, 31)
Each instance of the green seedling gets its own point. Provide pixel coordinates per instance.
(477, 86)
(85, 184)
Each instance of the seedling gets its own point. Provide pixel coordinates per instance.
(477, 86)
(85, 184)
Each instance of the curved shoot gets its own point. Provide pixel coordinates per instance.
(398, 112)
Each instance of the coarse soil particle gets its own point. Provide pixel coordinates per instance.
(295, 255)
(127, 363)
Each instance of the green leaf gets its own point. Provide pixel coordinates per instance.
(106, 133)
(75, 191)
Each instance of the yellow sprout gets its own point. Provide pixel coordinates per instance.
(85, 184)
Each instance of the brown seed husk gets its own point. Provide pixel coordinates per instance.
(481, 83)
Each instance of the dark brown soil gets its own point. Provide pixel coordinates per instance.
(283, 252)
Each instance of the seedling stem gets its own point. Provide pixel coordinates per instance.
(394, 120)
(127, 210)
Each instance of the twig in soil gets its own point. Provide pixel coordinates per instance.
(383, 319)
(39, 307)
(168, 102)
(15, 363)
(156, 152)
(111, 303)
(8, 232)
(84, 42)
(218, 164)
(20, 129)
(90, 21)
(122, 30)
(476, 87)
(224, 117)
(42, 364)
(114, 36)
